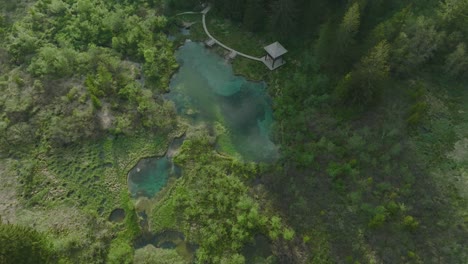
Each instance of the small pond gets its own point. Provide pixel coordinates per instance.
(117, 215)
(168, 240)
(150, 175)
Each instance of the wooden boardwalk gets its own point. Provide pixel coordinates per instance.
(188, 13)
(231, 50)
(233, 53)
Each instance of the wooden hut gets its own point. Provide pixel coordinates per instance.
(274, 57)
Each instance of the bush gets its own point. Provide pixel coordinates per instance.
(20, 244)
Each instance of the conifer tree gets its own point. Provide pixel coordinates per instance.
(362, 85)
(254, 15)
(349, 27)
(283, 18)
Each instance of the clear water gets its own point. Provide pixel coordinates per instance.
(206, 90)
(149, 176)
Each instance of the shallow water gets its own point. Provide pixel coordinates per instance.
(206, 90)
(168, 240)
(149, 176)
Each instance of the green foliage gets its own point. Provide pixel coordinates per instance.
(322, 45)
(283, 18)
(349, 27)
(76, 70)
(165, 215)
(451, 10)
(418, 110)
(132, 229)
(379, 218)
(23, 245)
(182, 4)
(57, 48)
(212, 197)
(415, 45)
(235, 259)
(232, 9)
(410, 223)
(390, 29)
(254, 16)
(159, 62)
(288, 234)
(152, 255)
(120, 251)
(54, 61)
(456, 63)
(362, 86)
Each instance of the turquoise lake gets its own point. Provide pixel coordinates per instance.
(205, 90)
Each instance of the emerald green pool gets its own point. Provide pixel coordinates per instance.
(206, 91)
(149, 176)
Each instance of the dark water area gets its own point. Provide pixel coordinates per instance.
(258, 251)
(117, 215)
(206, 91)
(167, 237)
(168, 240)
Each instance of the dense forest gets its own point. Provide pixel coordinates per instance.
(371, 119)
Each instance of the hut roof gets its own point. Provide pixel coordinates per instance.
(275, 50)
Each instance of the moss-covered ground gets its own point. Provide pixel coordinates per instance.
(69, 192)
(213, 203)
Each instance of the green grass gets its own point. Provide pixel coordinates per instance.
(226, 145)
(91, 180)
(212, 187)
(164, 214)
(235, 37)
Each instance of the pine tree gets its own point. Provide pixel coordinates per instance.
(456, 63)
(233, 9)
(283, 18)
(349, 27)
(254, 16)
(416, 45)
(362, 85)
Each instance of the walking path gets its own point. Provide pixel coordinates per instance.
(188, 13)
(231, 50)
